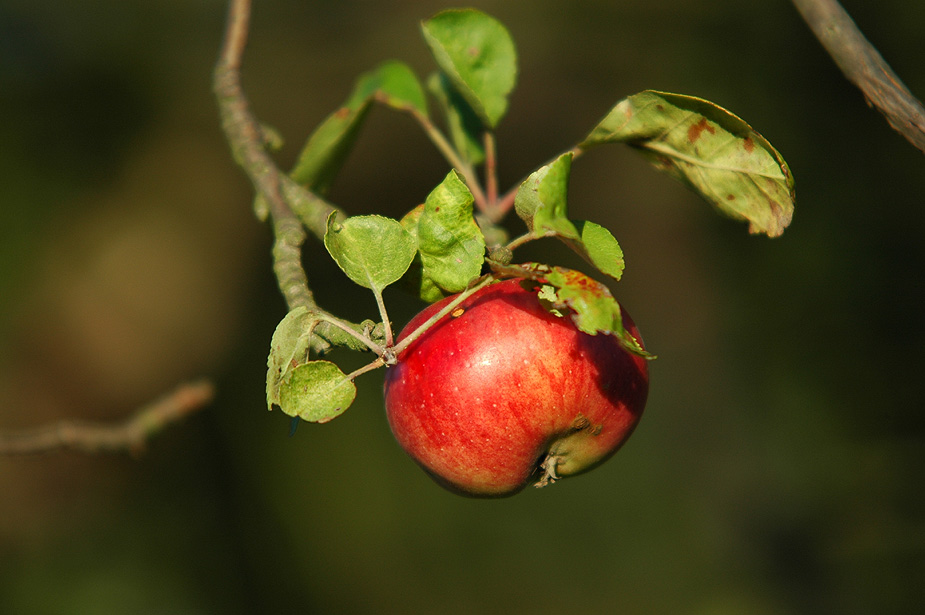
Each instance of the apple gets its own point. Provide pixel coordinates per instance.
(500, 393)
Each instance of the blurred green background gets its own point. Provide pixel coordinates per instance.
(779, 467)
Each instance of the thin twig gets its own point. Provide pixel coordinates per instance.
(129, 436)
(449, 153)
(863, 65)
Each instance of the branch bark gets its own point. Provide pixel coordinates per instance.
(291, 207)
(863, 65)
(130, 436)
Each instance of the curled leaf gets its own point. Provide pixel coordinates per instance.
(541, 199)
(415, 279)
(711, 150)
(289, 348)
(451, 245)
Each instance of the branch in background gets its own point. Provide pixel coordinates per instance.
(865, 68)
(130, 436)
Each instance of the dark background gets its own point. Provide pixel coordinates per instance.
(779, 467)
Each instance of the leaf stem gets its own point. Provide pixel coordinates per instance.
(452, 157)
(526, 238)
(379, 362)
(491, 170)
(385, 317)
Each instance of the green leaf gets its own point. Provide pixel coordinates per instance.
(395, 84)
(331, 142)
(374, 251)
(316, 391)
(289, 348)
(541, 203)
(477, 54)
(414, 279)
(327, 148)
(599, 247)
(594, 308)
(711, 150)
(464, 125)
(450, 242)
(541, 200)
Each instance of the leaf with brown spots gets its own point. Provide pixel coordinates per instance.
(585, 300)
(711, 150)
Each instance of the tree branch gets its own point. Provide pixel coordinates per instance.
(291, 207)
(285, 199)
(863, 65)
(130, 436)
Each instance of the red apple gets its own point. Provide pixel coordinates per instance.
(500, 393)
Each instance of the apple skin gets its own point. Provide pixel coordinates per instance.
(500, 393)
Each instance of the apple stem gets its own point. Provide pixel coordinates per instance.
(549, 471)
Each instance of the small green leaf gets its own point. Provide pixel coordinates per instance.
(464, 125)
(711, 150)
(289, 348)
(541, 199)
(541, 203)
(329, 145)
(477, 53)
(327, 148)
(374, 251)
(599, 247)
(316, 391)
(450, 242)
